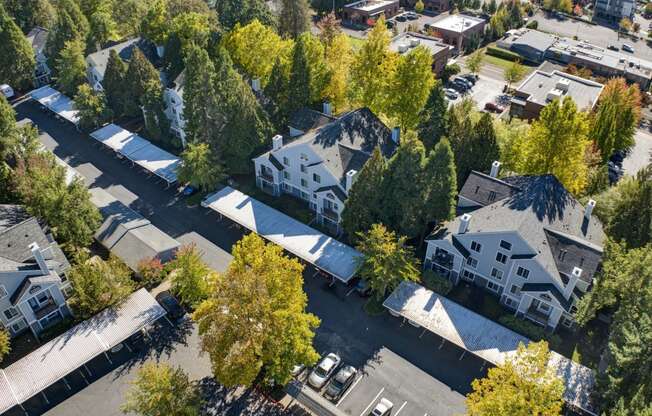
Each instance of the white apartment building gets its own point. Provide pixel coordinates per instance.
(320, 166)
(525, 239)
(173, 97)
(33, 285)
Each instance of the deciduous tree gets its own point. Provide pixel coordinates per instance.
(522, 386)
(617, 117)
(433, 118)
(386, 261)
(514, 73)
(97, 284)
(5, 344)
(231, 12)
(156, 25)
(339, 57)
(190, 275)
(199, 167)
(192, 29)
(151, 271)
(294, 18)
(71, 68)
(102, 27)
(254, 321)
(30, 13)
(16, 55)
(162, 390)
(329, 28)
(92, 107)
(475, 61)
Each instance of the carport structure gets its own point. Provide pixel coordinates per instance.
(139, 151)
(71, 350)
(59, 104)
(484, 338)
(323, 252)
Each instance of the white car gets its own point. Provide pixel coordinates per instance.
(628, 48)
(383, 408)
(324, 370)
(7, 91)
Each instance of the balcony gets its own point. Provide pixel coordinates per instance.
(266, 175)
(535, 315)
(45, 309)
(330, 214)
(443, 259)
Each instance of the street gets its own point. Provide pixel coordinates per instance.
(345, 328)
(641, 155)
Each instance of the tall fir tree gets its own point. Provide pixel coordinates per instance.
(140, 74)
(433, 118)
(200, 99)
(71, 25)
(294, 18)
(30, 13)
(71, 67)
(276, 91)
(439, 185)
(157, 124)
(364, 205)
(300, 77)
(16, 55)
(114, 83)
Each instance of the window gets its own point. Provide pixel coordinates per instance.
(567, 322)
(303, 168)
(508, 301)
(19, 326)
(493, 287)
(335, 206)
(492, 196)
(286, 174)
(305, 195)
(504, 244)
(515, 290)
(11, 313)
(316, 178)
(496, 274)
(522, 272)
(3, 292)
(286, 162)
(544, 307)
(304, 183)
(468, 275)
(475, 246)
(501, 257)
(472, 262)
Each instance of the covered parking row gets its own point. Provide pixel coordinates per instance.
(139, 151)
(56, 102)
(484, 338)
(327, 254)
(73, 349)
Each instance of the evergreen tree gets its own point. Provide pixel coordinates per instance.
(156, 25)
(92, 108)
(114, 83)
(16, 55)
(30, 13)
(294, 18)
(276, 91)
(199, 167)
(140, 74)
(364, 205)
(157, 124)
(433, 118)
(71, 67)
(439, 185)
(478, 150)
(173, 59)
(300, 77)
(102, 28)
(403, 203)
(71, 25)
(232, 12)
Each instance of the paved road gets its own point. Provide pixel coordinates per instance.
(641, 154)
(345, 328)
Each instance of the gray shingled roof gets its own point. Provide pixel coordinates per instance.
(548, 217)
(306, 119)
(124, 49)
(38, 37)
(484, 189)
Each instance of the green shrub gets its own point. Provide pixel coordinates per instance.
(530, 330)
(533, 24)
(503, 54)
(436, 283)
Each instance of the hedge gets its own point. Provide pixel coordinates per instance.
(530, 330)
(436, 283)
(503, 54)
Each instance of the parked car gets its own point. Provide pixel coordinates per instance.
(459, 86)
(390, 24)
(324, 370)
(628, 48)
(451, 94)
(613, 47)
(464, 81)
(382, 408)
(494, 108)
(401, 18)
(472, 78)
(7, 91)
(363, 288)
(189, 190)
(297, 369)
(341, 382)
(171, 305)
(412, 15)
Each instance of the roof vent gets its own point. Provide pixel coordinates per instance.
(563, 84)
(554, 93)
(464, 223)
(589, 209)
(495, 167)
(414, 42)
(402, 48)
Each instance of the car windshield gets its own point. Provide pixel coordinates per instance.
(337, 384)
(321, 371)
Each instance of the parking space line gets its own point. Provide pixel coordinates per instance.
(348, 391)
(373, 401)
(350, 291)
(399, 410)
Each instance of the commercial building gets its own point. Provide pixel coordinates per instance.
(541, 87)
(457, 29)
(366, 12)
(431, 6)
(614, 10)
(526, 240)
(440, 51)
(538, 46)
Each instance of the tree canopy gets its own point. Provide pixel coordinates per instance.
(16, 54)
(199, 167)
(189, 276)
(254, 321)
(294, 18)
(433, 117)
(71, 67)
(92, 107)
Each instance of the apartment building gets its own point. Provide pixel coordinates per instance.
(33, 284)
(38, 37)
(97, 62)
(524, 239)
(173, 97)
(320, 166)
(615, 10)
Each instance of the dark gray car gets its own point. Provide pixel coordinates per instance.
(341, 382)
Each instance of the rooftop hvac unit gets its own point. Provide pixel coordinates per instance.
(414, 42)
(563, 84)
(402, 48)
(554, 93)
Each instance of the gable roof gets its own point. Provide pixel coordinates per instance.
(484, 189)
(548, 218)
(38, 37)
(125, 50)
(306, 119)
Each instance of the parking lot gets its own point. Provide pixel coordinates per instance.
(485, 90)
(400, 26)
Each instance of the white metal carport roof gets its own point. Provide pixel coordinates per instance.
(56, 102)
(322, 251)
(140, 151)
(74, 348)
(483, 337)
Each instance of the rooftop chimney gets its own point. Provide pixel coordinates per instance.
(277, 142)
(464, 223)
(326, 108)
(350, 178)
(396, 135)
(589, 209)
(38, 256)
(255, 84)
(495, 167)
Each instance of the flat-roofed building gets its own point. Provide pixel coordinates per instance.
(456, 29)
(366, 12)
(432, 6)
(441, 52)
(541, 87)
